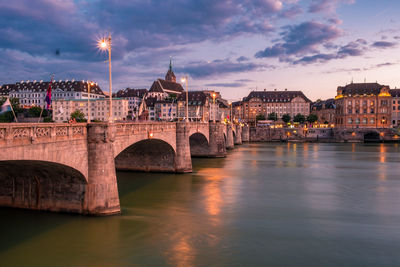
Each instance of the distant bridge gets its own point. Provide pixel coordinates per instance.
(72, 167)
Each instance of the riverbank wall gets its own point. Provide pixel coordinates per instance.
(331, 135)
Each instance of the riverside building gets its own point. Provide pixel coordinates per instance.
(280, 102)
(363, 105)
(395, 107)
(33, 93)
(99, 109)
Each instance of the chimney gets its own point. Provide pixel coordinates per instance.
(275, 89)
(285, 89)
(265, 89)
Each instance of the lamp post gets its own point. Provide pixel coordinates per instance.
(213, 96)
(185, 79)
(105, 44)
(88, 100)
(230, 116)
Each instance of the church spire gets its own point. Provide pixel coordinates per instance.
(170, 76)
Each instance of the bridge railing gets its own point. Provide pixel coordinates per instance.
(138, 128)
(27, 133)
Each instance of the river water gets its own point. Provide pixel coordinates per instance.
(266, 204)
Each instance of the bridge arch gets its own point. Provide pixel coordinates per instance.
(42, 185)
(147, 155)
(372, 136)
(199, 145)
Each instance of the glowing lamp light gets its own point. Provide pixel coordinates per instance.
(353, 134)
(381, 133)
(183, 80)
(151, 135)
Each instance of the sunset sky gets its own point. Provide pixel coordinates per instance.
(230, 46)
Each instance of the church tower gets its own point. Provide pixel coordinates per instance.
(170, 76)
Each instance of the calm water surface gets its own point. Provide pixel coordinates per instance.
(263, 205)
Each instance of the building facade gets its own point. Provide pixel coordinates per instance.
(33, 93)
(99, 109)
(325, 111)
(280, 102)
(166, 110)
(134, 97)
(395, 93)
(198, 106)
(363, 105)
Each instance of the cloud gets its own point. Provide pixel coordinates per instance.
(356, 48)
(372, 67)
(218, 67)
(384, 44)
(242, 58)
(328, 6)
(225, 84)
(300, 39)
(292, 12)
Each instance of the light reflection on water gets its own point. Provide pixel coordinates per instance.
(282, 204)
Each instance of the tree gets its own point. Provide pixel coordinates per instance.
(286, 118)
(260, 117)
(78, 115)
(273, 116)
(34, 111)
(312, 118)
(299, 118)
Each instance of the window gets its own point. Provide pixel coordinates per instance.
(372, 120)
(365, 120)
(357, 120)
(350, 121)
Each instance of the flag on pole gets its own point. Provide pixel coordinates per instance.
(6, 106)
(48, 95)
(198, 111)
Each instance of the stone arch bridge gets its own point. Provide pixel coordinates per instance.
(72, 167)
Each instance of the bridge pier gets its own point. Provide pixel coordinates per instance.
(183, 160)
(101, 197)
(229, 137)
(238, 136)
(216, 140)
(245, 133)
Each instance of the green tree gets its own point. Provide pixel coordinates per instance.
(78, 115)
(312, 118)
(286, 118)
(7, 117)
(34, 112)
(299, 118)
(273, 116)
(260, 117)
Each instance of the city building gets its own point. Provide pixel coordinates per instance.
(198, 106)
(280, 102)
(134, 97)
(62, 109)
(325, 111)
(166, 110)
(33, 93)
(161, 89)
(363, 105)
(395, 93)
(237, 110)
(149, 109)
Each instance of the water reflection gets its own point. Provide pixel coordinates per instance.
(276, 204)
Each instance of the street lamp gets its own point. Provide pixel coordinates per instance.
(230, 116)
(185, 79)
(104, 44)
(213, 96)
(88, 99)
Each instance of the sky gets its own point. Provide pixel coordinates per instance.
(231, 46)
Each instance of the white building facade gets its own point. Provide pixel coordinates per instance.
(99, 109)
